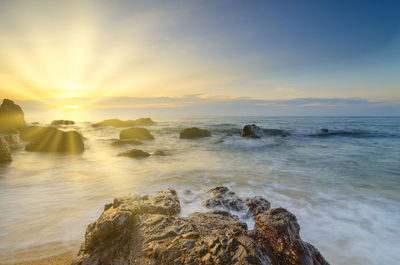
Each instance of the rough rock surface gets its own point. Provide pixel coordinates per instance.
(11, 117)
(129, 142)
(135, 153)
(147, 230)
(5, 154)
(252, 131)
(12, 140)
(47, 139)
(129, 123)
(136, 133)
(62, 122)
(193, 133)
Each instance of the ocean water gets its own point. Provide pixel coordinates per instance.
(344, 186)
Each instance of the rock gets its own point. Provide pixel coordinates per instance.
(222, 197)
(124, 142)
(136, 133)
(11, 117)
(193, 133)
(256, 206)
(12, 140)
(146, 229)
(281, 229)
(5, 154)
(160, 153)
(252, 131)
(62, 122)
(129, 123)
(53, 140)
(135, 153)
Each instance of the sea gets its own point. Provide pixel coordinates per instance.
(342, 184)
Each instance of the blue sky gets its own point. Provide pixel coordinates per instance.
(269, 51)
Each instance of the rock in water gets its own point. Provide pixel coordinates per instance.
(56, 141)
(222, 197)
(11, 117)
(136, 133)
(193, 133)
(62, 122)
(160, 153)
(281, 229)
(147, 230)
(135, 153)
(252, 131)
(5, 154)
(129, 123)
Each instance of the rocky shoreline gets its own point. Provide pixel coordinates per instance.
(147, 229)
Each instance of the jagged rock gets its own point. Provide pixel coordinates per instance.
(5, 154)
(123, 142)
(135, 153)
(136, 133)
(222, 197)
(44, 139)
(11, 117)
(62, 122)
(256, 205)
(147, 230)
(252, 131)
(129, 123)
(160, 153)
(193, 133)
(281, 229)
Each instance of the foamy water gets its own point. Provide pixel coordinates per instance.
(343, 187)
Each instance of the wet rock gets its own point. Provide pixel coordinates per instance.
(222, 197)
(62, 122)
(53, 140)
(11, 117)
(256, 206)
(252, 131)
(281, 229)
(136, 133)
(12, 140)
(135, 153)
(146, 229)
(160, 153)
(126, 142)
(194, 133)
(5, 154)
(129, 123)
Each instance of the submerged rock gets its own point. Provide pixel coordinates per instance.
(44, 139)
(62, 122)
(136, 133)
(252, 131)
(147, 230)
(11, 117)
(135, 153)
(5, 154)
(193, 133)
(160, 153)
(124, 142)
(129, 123)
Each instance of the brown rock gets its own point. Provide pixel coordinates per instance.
(126, 142)
(135, 153)
(11, 117)
(5, 154)
(194, 133)
(62, 122)
(136, 133)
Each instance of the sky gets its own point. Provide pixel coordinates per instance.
(202, 57)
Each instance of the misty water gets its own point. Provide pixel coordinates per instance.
(343, 187)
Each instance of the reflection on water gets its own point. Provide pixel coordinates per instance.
(343, 188)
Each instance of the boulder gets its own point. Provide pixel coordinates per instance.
(194, 133)
(126, 142)
(62, 122)
(11, 117)
(160, 153)
(135, 153)
(5, 154)
(222, 197)
(282, 230)
(252, 131)
(136, 133)
(129, 123)
(55, 141)
(146, 229)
